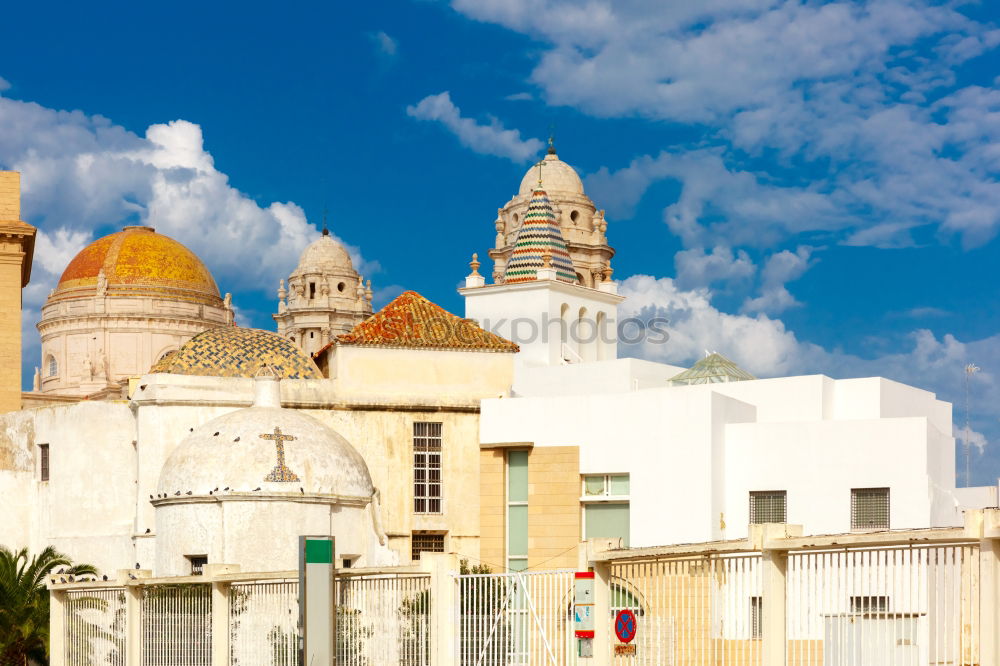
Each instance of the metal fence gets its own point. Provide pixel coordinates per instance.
(691, 611)
(176, 625)
(383, 619)
(95, 625)
(901, 606)
(516, 618)
(263, 623)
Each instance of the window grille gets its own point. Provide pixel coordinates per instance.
(770, 506)
(43, 461)
(425, 543)
(198, 563)
(427, 467)
(756, 617)
(869, 604)
(869, 509)
(53, 366)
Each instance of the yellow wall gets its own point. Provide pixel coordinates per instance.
(492, 510)
(13, 236)
(553, 507)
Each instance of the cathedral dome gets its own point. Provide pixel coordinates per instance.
(557, 176)
(137, 261)
(324, 255)
(231, 351)
(266, 451)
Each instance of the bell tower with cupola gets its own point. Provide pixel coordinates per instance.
(324, 298)
(583, 226)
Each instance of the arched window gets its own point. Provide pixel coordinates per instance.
(574, 215)
(53, 366)
(340, 286)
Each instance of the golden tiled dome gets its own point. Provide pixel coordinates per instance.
(137, 261)
(230, 351)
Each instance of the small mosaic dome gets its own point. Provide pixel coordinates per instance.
(137, 261)
(557, 176)
(266, 450)
(231, 351)
(324, 255)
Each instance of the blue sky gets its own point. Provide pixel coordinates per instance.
(805, 187)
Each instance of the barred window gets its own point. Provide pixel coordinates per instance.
(53, 366)
(756, 617)
(425, 543)
(769, 506)
(869, 509)
(43, 461)
(198, 563)
(869, 604)
(427, 467)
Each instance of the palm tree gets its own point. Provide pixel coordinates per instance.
(24, 603)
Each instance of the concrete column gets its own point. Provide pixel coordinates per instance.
(444, 606)
(987, 524)
(602, 614)
(57, 628)
(220, 624)
(774, 564)
(133, 625)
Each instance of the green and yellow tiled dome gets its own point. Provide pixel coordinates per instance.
(230, 351)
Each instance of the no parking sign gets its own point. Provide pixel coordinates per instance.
(625, 629)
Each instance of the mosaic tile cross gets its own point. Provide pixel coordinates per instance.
(280, 473)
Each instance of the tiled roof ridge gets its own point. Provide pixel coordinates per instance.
(412, 321)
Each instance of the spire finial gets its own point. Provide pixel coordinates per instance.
(474, 264)
(326, 231)
(552, 140)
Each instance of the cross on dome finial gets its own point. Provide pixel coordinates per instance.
(552, 144)
(326, 231)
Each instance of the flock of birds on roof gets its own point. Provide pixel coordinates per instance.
(210, 492)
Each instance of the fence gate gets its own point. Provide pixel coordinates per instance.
(516, 618)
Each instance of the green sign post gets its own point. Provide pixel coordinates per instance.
(317, 620)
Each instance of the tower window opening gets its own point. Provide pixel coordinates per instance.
(341, 286)
(312, 334)
(574, 215)
(312, 290)
(53, 366)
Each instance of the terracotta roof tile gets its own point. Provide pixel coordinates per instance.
(412, 321)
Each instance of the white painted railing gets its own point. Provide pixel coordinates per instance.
(263, 623)
(516, 618)
(95, 624)
(383, 619)
(176, 625)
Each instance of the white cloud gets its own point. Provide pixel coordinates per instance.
(977, 440)
(697, 268)
(490, 139)
(4, 84)
(520, 97)
(384, 43)
(864, 91)
(766, 348)
(83, 176)
(780, 269)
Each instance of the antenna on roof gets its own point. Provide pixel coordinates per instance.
(970, 370)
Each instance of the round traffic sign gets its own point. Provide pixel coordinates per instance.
(625, 625)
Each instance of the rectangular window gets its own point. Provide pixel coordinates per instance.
(517, 510)
(869, 509)
(198, 563)
(43, 462)
(605, 485)
(425, 543)
(769, 506)
(427, 467)
(869, 604)
(756, 617)
(312, 290)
